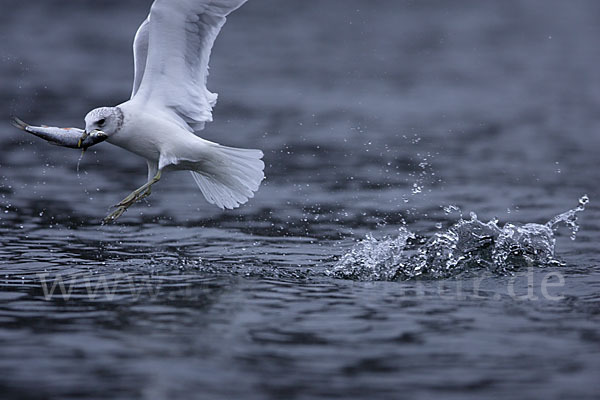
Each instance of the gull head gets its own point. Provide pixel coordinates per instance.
(107, 120)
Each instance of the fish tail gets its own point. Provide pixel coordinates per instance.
(18, 123)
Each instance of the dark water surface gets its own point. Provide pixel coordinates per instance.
(374, 116)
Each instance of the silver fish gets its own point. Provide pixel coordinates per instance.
(73, 138)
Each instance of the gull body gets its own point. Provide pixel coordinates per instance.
(164, 143)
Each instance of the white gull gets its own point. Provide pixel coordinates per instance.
(170, 103)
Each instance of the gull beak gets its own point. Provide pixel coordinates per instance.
(102, 136)
(97, 132)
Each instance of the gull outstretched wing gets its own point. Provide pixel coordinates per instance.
(180, 35)
(140, 54)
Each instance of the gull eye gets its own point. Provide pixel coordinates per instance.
(101, 122)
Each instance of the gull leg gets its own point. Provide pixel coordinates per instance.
(147, 193)
(153, 177)
(134, 196)
(138, 194)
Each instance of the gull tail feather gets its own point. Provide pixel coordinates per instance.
(233, 176)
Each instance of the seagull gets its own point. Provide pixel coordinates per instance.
(170, 104)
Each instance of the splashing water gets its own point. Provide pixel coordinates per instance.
(467, 246)
(569, 217)
(79, 161)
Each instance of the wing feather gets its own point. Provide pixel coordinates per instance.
(140, 54)
(180, 36)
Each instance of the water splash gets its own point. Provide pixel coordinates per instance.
(569, 218)
(467, 246)
(79, 162)
(373, 259)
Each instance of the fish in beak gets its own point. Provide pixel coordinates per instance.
(73, 138)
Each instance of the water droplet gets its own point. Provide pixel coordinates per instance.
(450, 209)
